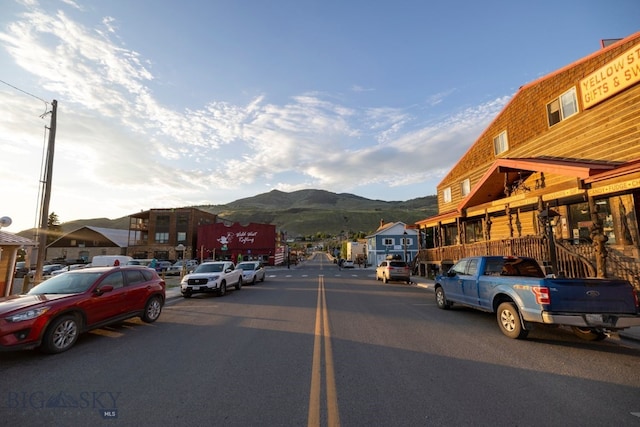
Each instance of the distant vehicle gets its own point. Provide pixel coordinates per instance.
(211, 277)
(67, 268)
(347, 264)
(21, 270)
(110, 260)
(393, 270)
(176, 268)
(48, 269)
(163, 266)
(252, 272)
(53, 314)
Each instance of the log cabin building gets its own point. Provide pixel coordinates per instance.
(555, 176)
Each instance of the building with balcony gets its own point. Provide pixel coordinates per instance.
(555, 176)
(157, 233)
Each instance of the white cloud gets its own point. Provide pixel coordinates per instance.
(120, 150)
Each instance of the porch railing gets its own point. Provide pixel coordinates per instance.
(573, 260)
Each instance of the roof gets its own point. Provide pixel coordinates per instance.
(491, 185)
(383, 229)
(118, 236)
(10, 239)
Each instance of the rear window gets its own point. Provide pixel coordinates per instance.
(522, 267)
(398, 264)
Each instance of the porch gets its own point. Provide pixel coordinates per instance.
(572, 259)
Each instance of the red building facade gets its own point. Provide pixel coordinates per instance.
(226, 242)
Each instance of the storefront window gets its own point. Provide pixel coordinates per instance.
(580, 221)
(473, 231)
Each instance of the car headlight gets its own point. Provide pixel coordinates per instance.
(27, 315)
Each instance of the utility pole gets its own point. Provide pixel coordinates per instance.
(46, 194)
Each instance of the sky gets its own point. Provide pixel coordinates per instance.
(164, 104)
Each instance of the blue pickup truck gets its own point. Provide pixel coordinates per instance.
(517, 290)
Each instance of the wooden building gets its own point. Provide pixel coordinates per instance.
(9, 246)
(86, 242)
(555, 176)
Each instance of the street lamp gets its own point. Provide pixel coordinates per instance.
(404, 241)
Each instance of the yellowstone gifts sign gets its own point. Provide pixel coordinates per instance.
(220, 241)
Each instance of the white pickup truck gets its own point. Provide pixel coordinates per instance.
(211, 277)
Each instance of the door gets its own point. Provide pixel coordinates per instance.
(109, 304)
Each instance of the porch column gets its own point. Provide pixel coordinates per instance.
(598, 238)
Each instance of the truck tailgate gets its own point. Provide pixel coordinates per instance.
(591, 296)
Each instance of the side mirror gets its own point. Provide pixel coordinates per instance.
(103, 289)
(451, 273)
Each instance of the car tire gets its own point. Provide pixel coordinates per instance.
(186, 295)
(61, 334)
(222, 289)
(264, 276)
(589, 334)
(510, 322)
(253, 282)
(441, 299)
(152, 309)
(239, 284)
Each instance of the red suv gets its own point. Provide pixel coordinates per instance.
(53, 314)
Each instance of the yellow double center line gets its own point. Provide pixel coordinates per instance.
(322, 331)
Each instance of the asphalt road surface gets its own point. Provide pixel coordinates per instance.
(318, 346)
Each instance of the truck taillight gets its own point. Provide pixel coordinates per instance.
(542, 294)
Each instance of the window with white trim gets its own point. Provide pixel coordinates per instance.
(500, 143)
(446, 195)
(387, 241)
(407, 241)
(566, 105)
(465, 187)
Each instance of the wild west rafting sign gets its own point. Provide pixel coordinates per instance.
(231, 240)
(613, 77)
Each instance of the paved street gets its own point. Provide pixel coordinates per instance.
(314, 345)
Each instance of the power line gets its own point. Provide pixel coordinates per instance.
(27, 93)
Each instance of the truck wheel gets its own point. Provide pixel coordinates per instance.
(510, 322)
(222, 289)
(589, 334)
(441, 300)
(239, 284)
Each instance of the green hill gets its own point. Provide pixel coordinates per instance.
(301, 213)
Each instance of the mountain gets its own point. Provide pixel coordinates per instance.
(301, 213)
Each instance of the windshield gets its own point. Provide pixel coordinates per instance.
(70, 283)
(209, 268)
(246, 266)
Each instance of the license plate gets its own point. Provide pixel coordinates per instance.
(594, 318)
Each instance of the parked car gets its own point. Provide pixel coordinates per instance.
(21, 270)
(52, 315)
(521, 296)
(252, 272)
(347, 264)
(176, 268)
(48, 269)
(211, 277)
(163, 266)
(393, 270)
(67, 268)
